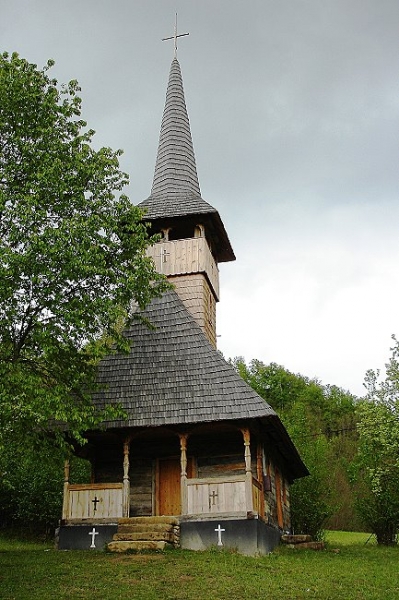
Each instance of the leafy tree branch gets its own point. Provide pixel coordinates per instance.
(72, 252)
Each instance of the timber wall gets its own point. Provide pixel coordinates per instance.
(141, 475)
(199, 300)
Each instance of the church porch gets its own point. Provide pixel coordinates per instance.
(204, 475)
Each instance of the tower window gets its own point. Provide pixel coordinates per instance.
(181, 232)
(199, 231)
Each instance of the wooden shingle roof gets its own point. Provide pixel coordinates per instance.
(174, 376)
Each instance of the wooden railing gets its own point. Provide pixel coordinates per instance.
(212, 495)
(93, 501)
(223, 495)
(216, 495)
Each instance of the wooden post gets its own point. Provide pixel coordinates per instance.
(126, 480)
(259, 471)
(280, 517)
(183, 477)
(248, 470)
(65, 500)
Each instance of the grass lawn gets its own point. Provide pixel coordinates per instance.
(346, 570)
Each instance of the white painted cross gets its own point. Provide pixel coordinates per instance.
(219, 532)
(93, 534)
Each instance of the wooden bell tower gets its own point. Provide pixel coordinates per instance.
(194, 239)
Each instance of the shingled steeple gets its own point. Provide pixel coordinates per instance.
(175, 200)
(175, 169)
(194, 239)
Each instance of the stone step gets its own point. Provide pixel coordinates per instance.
(307, 546)
(137, 546)
(166, 536)
(295, 539)
(152, 520)
(145, 533)
(141, 527)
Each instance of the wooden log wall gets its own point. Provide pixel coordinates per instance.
(197, 297)
(271, 508)
(141, 475)
(217, 466)
(109, 472)
(108, 462)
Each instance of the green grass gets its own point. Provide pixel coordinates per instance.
(346, 538)
(17, 544)
(348, 569)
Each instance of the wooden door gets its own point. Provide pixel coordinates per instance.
(169, 498)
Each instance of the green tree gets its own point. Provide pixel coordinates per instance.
(376, 470)
(278, 386)
(31, 486)
(310, 497)
(317, 417)
(72, 253)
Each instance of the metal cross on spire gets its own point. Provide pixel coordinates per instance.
(175, 36)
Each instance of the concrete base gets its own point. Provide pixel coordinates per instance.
(247, 536)
(81, 537)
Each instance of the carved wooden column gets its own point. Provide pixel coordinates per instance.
(65, 500)
(248, 471)
(183, 477)
(126, 480)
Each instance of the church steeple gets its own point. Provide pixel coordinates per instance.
(175, 198)
(194, 239)
(175, 169)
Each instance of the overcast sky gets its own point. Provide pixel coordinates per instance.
(294, 111)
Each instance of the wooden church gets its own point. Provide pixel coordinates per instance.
(198, 459)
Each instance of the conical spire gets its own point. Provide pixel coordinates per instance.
(175, 169)
(175, 192)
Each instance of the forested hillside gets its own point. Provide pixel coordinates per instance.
(321, 419)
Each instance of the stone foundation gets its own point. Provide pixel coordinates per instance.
(247, 536)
